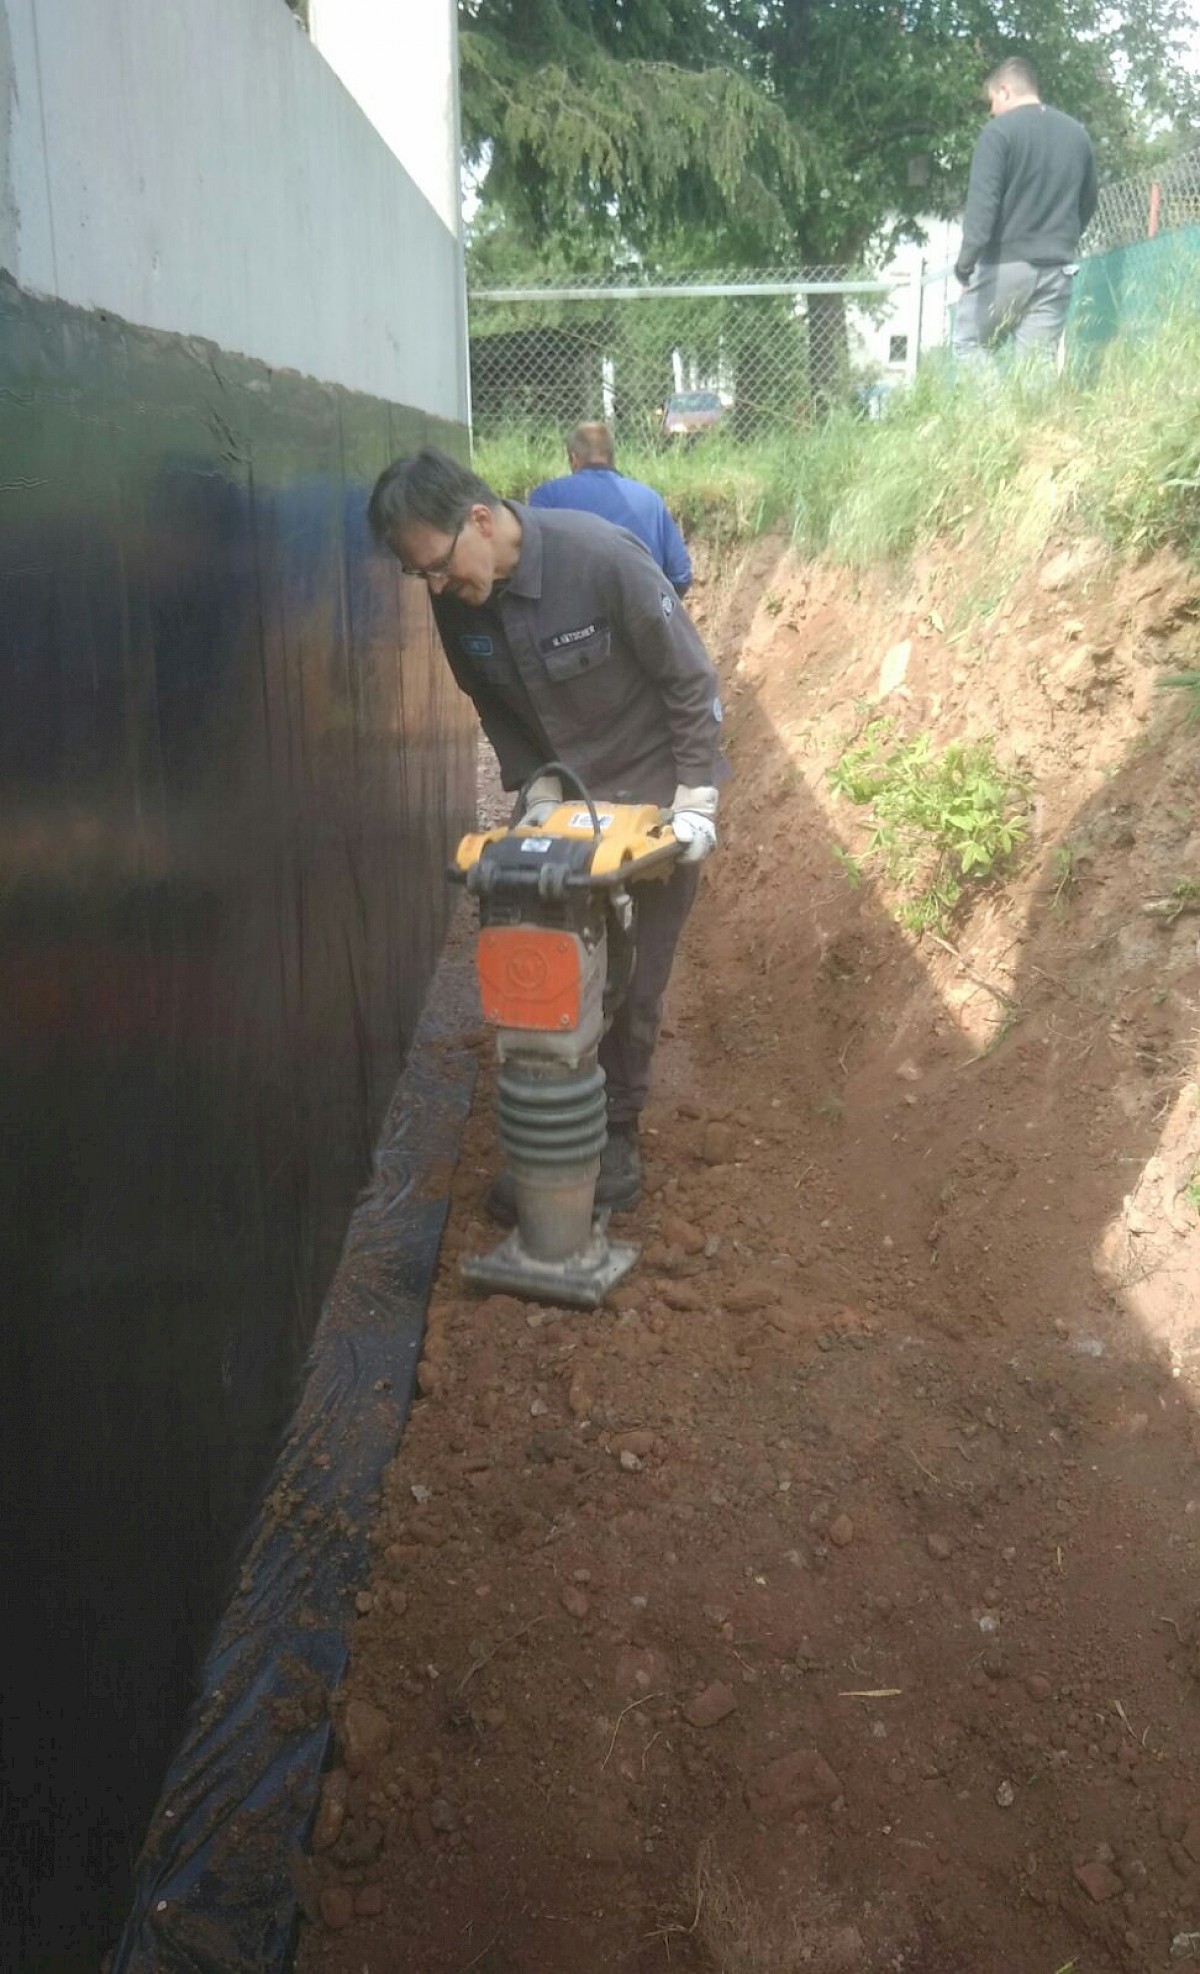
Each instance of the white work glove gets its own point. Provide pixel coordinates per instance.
(542, 798)
(693, 814)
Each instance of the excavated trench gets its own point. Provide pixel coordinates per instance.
(828, 1600)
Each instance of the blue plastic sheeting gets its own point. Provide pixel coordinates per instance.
(215, 1886)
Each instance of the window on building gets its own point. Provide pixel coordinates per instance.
(897, 349)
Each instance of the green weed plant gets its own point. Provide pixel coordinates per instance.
(940, 823)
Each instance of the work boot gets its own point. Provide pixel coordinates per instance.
(619, 1186)
(501, 1201)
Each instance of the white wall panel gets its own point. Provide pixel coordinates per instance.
(199, 168)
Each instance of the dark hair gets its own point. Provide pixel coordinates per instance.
(426, 486)
(1013, 73)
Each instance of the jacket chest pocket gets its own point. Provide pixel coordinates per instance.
(568, 662)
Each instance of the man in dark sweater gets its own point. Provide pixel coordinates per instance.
(1032, 191)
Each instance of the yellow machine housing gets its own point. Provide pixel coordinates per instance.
(628, 832)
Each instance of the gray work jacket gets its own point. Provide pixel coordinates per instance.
(586, 655)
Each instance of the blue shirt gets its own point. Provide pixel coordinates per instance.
(628, 504)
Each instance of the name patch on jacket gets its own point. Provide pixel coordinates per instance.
(563, 640)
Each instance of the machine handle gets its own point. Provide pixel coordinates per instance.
(561, 769)
(634, 867)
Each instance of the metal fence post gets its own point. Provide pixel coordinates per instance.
(1146, 205)
(918, 328)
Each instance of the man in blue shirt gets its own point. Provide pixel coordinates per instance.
(594, 485)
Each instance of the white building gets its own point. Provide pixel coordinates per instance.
(888, 341)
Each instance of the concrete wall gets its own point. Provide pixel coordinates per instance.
(198, 167)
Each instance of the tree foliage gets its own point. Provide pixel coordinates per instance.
(608, 121)
(775, 130)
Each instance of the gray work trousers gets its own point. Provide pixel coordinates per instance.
(627, 1050)
(1012, 301)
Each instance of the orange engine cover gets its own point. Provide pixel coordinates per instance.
(529, 977)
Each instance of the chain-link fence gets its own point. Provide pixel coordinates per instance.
(752, 353)
(1141, 262)
(1141, 207)
(674, 358)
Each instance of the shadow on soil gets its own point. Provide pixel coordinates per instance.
(973, 1205)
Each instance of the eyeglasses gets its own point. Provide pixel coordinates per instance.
(439, 568)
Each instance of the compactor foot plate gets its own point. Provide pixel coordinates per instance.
(582, 1282)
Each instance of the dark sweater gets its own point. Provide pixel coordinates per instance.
(1032, 190)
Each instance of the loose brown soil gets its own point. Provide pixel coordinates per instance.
(831, 1600)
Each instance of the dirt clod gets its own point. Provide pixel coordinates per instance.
(682, 1295)
(366, 1734)
(843, 1951)
(714, 1704)
(360, 1843)
(337, 1907)
(331, 1812)
(640, 1443)
(745, 1296)
(718, 1144)
(803, 1780)
(1099, 1880)
(430, 1378)
(683, 1235)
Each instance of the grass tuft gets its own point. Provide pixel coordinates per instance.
(717, 489)
(1189, 683)
(1002, 456)
(731, 1932)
